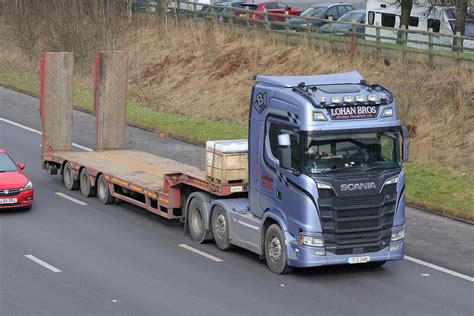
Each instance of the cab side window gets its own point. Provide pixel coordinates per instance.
(274, 131)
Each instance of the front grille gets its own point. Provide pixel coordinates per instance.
(9, 192)
(359, 224)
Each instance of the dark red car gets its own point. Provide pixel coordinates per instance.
(272, 7)
(16, 190)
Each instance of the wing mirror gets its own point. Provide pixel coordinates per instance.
(21, 166)
(284, 145)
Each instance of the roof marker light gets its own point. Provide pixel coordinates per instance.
(336, 99)
(323, 100)
(388, 112)
(361, 98)
(348, 99)
(318, 116)
(373, 98)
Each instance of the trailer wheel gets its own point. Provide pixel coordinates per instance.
(86, 186)
(103, 192)
(275, 250)
(196, 221)
(220, 228)
(68, 178)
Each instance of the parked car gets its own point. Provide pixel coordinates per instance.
(273, 7)
(318, 13)
(228, 9)
(16, 190)
(241, 12)
(341, 28)
(144, 5)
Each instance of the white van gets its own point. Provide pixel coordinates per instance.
(440, 18)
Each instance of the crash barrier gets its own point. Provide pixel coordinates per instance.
(380, 38)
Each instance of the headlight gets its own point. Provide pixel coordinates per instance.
(322, 185)
(311, 241)
(397, 235)
(28, 186)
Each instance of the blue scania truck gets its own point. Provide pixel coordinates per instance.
(325, 182)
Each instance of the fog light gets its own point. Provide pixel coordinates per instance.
(29, 198)
(397, 235)
(318, 253)
(395, 247)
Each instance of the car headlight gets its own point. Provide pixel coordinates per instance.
(28, 186)
(397, 235)
(313, 241)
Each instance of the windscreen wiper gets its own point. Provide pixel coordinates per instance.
(381, 167)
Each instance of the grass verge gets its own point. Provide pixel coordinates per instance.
(440, 189)
(433, 187)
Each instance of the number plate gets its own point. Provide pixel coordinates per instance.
(355, 260)
(8, 201)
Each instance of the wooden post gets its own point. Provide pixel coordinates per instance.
(404, 43)
(110, 106)
(194, 10)
(354, 34)
(56, 100)
(231, 15)
(265, 19)
(287, 28)
(430, 46)
(377, 33)
(247, 18)
(331, 30)
(458, 47)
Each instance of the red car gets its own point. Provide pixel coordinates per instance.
(274, 7)
(16, 190)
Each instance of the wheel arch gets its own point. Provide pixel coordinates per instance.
(270, 217)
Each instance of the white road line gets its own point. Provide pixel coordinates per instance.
(39, 132)
(441, 269)
(70, 198)
(42, 263)
(199, 252)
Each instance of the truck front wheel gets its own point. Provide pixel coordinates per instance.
(68, 178)
(275, 250)
(103, 192)
(220, 228)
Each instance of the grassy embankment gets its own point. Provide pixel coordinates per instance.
(433, 187)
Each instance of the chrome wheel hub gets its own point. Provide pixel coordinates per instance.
(221, 226)
(274, 249)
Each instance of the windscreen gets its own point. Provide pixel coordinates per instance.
(6, 164)
(351, 152)
(316, 12)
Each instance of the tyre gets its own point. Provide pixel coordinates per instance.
(275, 250)
(196, 220)
(220, 228)
(68, 178)
(103, 192)
(87, 189)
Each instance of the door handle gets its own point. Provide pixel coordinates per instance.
(278, 194)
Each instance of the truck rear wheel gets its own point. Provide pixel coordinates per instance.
(220, 228)
(86, 185)
(275, 250)
(68, 178)
(103, 192)
(196, 221)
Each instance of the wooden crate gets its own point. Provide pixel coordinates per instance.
(226, 166)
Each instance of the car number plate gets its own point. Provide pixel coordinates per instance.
(355, 260)
(8, 201)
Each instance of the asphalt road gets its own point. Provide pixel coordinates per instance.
(119, 259)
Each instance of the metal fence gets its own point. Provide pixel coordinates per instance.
(379, 38)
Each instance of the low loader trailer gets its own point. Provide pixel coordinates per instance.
(318, 182)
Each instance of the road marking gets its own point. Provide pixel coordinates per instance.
(42, 263)
(39, 132)
(70, 198)
(441, 269)
(199, 252)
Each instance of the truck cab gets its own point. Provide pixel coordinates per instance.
(325, 173)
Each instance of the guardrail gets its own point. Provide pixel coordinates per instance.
(380, 38)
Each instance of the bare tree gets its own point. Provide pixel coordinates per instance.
(459, 26)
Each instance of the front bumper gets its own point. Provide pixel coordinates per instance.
(24, 200)
(301, 256)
